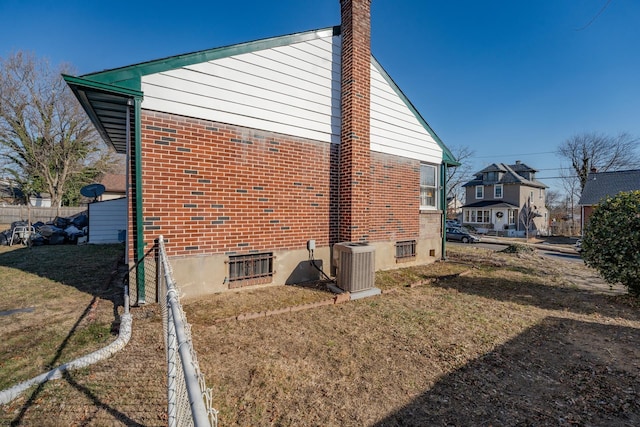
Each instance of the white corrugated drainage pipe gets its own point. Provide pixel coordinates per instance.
(9, 394)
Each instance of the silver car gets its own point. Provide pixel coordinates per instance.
(461, 235)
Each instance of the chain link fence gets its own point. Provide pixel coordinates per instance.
(189, 399)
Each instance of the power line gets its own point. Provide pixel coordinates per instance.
(595, 17)
(511, 155)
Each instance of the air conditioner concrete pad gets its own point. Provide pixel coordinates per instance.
(371, 292)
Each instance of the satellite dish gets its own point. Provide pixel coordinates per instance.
(92, 190)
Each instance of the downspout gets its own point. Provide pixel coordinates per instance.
(127, 178)
(443, 204)
(139, 239)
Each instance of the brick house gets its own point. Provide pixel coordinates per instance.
(600, 185)
(497, 195)
(242, 154)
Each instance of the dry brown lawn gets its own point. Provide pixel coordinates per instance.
(516, 340)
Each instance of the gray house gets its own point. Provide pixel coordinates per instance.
(497, 196)
(601, 185)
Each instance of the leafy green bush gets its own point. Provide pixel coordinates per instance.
(611, 242)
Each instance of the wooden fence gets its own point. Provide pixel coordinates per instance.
(9, 214)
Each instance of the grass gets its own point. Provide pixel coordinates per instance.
(67, 306)
(517, 339)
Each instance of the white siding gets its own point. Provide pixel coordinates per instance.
(294, 90)
(106, 220)
(394, 127)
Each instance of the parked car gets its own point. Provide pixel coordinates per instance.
(461, 235)
(453, 223)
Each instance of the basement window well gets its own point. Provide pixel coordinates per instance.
(252, 269)
(405, 250)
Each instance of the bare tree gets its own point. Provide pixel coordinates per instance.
(571, 185)
(527, 216)
(460, 174)
(46, 140)
(603, 152)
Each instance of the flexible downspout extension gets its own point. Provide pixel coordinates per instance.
(12, 393)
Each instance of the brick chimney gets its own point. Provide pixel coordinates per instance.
(355, 157)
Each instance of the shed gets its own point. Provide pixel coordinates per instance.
(108, 221)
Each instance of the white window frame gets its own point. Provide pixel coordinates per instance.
(495, 191)
(480, 189)
(477, 216)
(512, 216)
(427, 172)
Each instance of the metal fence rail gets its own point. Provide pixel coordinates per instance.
(189, 399)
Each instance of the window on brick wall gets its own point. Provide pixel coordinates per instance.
(253, 266)
(428, 187)
(406, 249)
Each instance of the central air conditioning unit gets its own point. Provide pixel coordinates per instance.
(355, 266)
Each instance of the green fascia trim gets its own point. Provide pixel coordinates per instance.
(140, 273)
(447, 157)
(130, 76)
(96, 85)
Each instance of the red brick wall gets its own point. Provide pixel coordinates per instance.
(395, 198)
(214, 188)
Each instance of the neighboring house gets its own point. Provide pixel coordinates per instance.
(114, 185)
(42, 200)
(601, 185)
(497, 196)
(241, 155)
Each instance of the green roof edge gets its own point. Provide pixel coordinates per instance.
(105, 87)
(447, 156)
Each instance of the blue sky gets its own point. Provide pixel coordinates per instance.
(511, 79)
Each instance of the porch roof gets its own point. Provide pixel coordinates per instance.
(491, 204)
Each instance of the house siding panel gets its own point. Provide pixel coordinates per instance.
(394, 127)
(294, 90)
